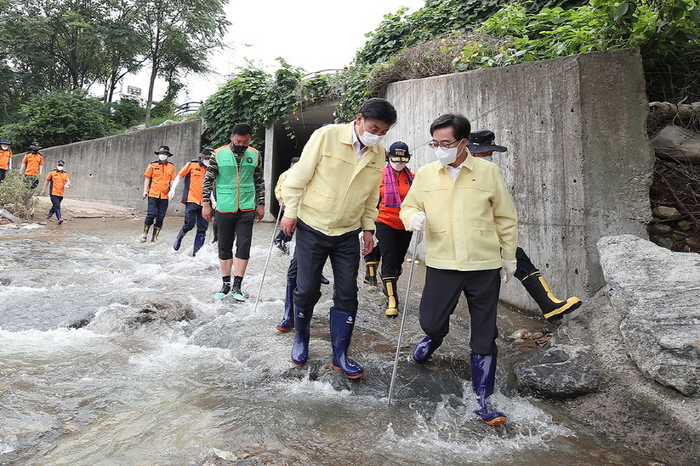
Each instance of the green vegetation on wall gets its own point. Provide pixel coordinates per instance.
(447, 36)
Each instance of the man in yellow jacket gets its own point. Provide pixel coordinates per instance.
(331, 195)
(471, 237)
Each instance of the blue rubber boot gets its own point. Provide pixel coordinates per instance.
(51, 212)
(483, 376)
(424, 348)
(287, 322)
(58, 216)
(198, 242)
(178, 239)
(302, 324)
(342, 324)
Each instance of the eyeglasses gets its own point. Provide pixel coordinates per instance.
(445, 145)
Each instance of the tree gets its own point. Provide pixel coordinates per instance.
(59, 118)
(179, 34)
(125, 50)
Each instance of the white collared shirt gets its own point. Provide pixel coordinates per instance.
(359, 149)
(454, 171)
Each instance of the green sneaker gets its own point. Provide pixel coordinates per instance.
(236, 292)
(225, 289)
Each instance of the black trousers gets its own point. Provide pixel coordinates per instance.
(441, 295)
(157, 208)
(393, 245)
(235, 225)
(312, 250)
(2, 173)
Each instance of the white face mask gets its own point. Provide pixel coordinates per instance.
(369, 139)
(205, 162)
(4, 147)
(163, 157)
(59, 167)
(398, 166)
(488, 158)
(446, 156)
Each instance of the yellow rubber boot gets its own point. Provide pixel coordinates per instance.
(392, 298)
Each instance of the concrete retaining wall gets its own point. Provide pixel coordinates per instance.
(110, 170)
(578, 163)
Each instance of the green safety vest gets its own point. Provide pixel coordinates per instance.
(235, 184)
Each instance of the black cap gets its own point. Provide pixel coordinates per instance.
(165, 149)
(398, 152)
(206, 152)
(5, 141)
(482, 141)
(35, 145)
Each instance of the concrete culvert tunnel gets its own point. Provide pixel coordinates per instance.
(286, 139)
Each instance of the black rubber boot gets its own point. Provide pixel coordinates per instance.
(553, 309)
(371, 275)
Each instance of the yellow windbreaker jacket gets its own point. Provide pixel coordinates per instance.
(470, 221)
(329, 189)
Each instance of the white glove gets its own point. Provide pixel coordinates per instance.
(171, 194)
(508, 269)
(417, 222)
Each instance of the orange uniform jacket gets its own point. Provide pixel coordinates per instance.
(33, 161)
(161, 174)
(193, 174)
(5, 156)
(57, 182)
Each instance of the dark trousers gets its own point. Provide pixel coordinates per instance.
(525, 266)
(314, 248)
(156, 212)
(440, 298)
(56, 202)
(292, 269)
(238, 226)
(193, 217)
(393, 245)
(281, 237)
(2, 173)
(31, 181)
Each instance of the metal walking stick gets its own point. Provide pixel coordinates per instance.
(403, 318)
(267, 261)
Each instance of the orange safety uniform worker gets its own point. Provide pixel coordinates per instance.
(57, 180)
(5, 158)
(156, 185)
(193, 174)
(33, 165)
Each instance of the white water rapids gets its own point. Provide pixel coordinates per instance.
(114, 392)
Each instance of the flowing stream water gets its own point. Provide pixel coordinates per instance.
(88, 375)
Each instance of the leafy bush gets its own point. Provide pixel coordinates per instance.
(128, 112)
(16, 197)
(59, 118)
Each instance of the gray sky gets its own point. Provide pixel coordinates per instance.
(311, 34)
